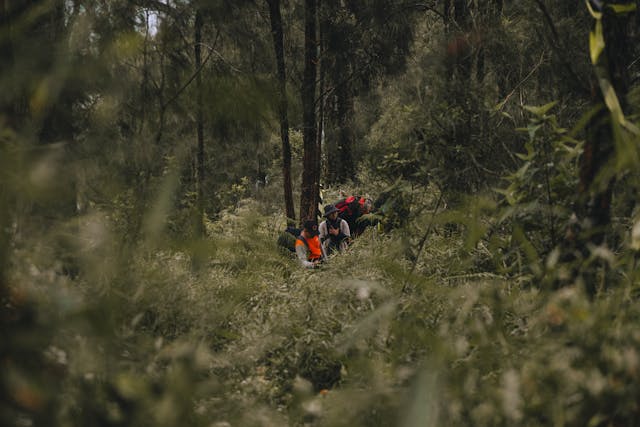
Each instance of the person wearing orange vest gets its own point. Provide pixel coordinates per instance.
(308, 248)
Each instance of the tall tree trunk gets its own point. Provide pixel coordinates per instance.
(321, 101)
(345, 165)
(278, 45)
(199, 125)
(464, 57)
(144, 87)
(7, 120)
(311, 166)
(449, 40)
(337, 63)
(596, 181)
(7, 103)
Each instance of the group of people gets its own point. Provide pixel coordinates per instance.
(317, 242)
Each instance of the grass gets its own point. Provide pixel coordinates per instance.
(244, 336)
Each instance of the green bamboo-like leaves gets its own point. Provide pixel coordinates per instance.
(596, 47)
(596, 41)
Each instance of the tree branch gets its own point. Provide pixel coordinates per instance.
(423, 241)
(558, 47)
(194, 75)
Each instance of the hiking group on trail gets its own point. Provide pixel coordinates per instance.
(313, 243)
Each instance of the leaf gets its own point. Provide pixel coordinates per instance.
(532, 130)
(623, 8)
(509, 194)
(541, 110)
(520, 173)
(596, 42)
(596, 15)
(585, 120)
(611, 99)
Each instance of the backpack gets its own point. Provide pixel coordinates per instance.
(287, 239)
(351, 209)
(348, 207)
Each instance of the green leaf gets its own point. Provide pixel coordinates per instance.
(585, 120)
(596, 42)
(523, 170)
(541, 110)
(532, 130)
(623, 8)
(611, 99)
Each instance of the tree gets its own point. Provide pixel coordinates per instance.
(310, 189)
(362, 41)
(199, 124)
(278, 45)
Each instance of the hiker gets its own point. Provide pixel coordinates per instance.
(351, 210)
(334, 231)
(308, 247)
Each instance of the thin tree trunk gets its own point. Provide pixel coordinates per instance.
(464, 57)
(145, 76)
(278, 45)
(199, 126)
(345, 166)
(7, 110)
(323, 66)
(311, 169)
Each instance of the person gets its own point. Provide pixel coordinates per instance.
(352, 209)
(308, 247)
(334, 231)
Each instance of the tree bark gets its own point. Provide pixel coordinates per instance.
(346, 166)
(6, 113)
(311, 166)
(321, 102)
(464, 57)
(278, 45)
(200, 229)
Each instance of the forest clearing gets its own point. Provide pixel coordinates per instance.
(153, 154)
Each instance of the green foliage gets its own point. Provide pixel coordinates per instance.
(544, 184)
(114, 312)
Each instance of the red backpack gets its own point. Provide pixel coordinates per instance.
(349, 206)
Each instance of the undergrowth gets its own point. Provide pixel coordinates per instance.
(231, 331)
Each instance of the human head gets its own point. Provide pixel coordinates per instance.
(367, 205)
(331, 212)
(310, 227)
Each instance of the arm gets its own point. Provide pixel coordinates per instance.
(301, 252)
(323, 229)
(344, 228)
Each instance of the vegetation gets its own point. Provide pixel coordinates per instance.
(152, 152)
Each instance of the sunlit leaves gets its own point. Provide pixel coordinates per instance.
(596, 42)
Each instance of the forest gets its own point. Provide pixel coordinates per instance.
(152, 153)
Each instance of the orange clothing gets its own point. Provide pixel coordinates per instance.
(314, 252)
